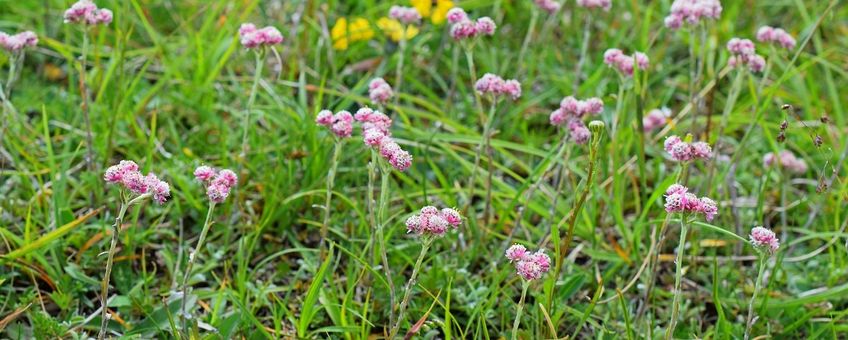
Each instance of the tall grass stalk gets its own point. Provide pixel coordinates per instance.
(86, 114)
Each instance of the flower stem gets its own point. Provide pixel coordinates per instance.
(331, 176)
(749, 323)
(530, 28)
(385, 173)
(399, 65)
(83, 89)
(678, 275)
(104, 285)
(524, 285)
(408, 288)
(190, 264)
(488, 146)
(469, 56)
(246, 118)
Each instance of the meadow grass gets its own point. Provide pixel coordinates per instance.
(169, 86)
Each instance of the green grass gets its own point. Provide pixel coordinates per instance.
(169, 84)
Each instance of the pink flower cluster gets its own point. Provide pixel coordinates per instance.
(656, 118)
(683, 152)
(380, 91)
(86, 12)
(691, 12)
(218, 183)
(17, 42)
(615, 58)
(605, 4)
(252, 37)
(743, 53)
(433, 222)
(341, 124)
(530, 266)
(678, 199)
(764, 239)
(406, 15)
(462, 27)
(549, 6)
(126, 174)
(496, 86)
(375, 130)
(778, 35)
(571, 112)
(787, 160)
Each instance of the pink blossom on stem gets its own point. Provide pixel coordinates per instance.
(626, 64)
(764, 240)
(681, 151)
(340, 124)
(603, 4)
(126, 174)
(692, 12)
(486, 26)
(86, 12)
(787, 160)
(678, 199)
(380, 91)
(406, 15)
(17, 42)
(656, 118)
(252, 37)
(218, 183)
(776, 35)
(530, 266)
(431, 221)
(549, 6)
(494, 85)
(456, 15)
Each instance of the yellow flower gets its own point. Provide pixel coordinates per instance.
(440, 14)
(394, 29)
(343, 33)
(437, 15)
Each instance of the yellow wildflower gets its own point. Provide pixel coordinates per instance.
(393, 29)
(343, 33)
(437, 15)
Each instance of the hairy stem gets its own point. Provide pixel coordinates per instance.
(408, 288)
(469, 56)
(524, 285)
(487, 135)
(83, 89)
(245, 124)
(749, 321)
(104, 285)
(399, 65)
(385, 173)
(678, 275)
(190, 264)
(331, 177)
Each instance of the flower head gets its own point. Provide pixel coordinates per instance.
(603, 4)
(463, 27)
(787, 160)
(126, 175)
(656, 118)
(678, 199)
(341, 124)
(406, 15)
(86, 12)
(17, 42)
(692, 12)
(625, 64)
(764, 240)
(486, 26)
(218, 183)
(682, 151)
(496, 86)
(456, 15)
(743, 52)
(380, 91)
(776, 35)
(431, 221)
(252, 37)
(530, 266)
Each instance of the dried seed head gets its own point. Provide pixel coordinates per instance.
(784, 125)
(781, 137)
(825, 119)
(786, 107)
(818, 141)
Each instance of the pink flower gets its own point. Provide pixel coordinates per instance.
(406, 15)
(603, 4)
(764, 239)
(692, 12)
(86, 12)
(463, 30)
(496, 86)
(756, 63)
(512, 88)
(516, 252)
(787, 160)
(430, 221)
(126, 174)
(252, 37)
(625, 64)
(218, 183)
(340, 124)
(486, 26)
(578, 131)
(380, 91)
(778, 35)
(549, 6)
(530, 266)
(701, 150)
(456, 15)
(204, 173)
(17, 42)
(656, 118)
(678, 199)
(681, 151)
(670, 141)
